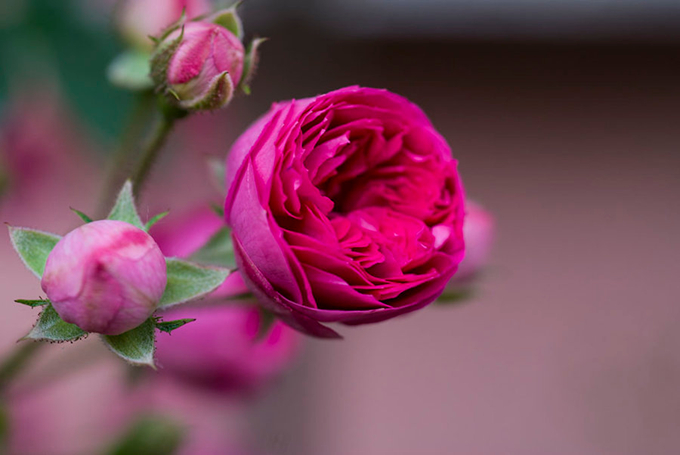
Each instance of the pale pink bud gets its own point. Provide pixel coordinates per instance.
(478, 232)
(105, 276)
(139, 19)
(205, 67)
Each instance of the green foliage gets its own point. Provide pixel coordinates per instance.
(169, 326)
(149, 435)
(81, 215)
(33, 247)
(125, 209)
(219, 250)
(189, 281)
(155, 220)
(50, 327)
(33, 303)
(130, 71)
(135, 346)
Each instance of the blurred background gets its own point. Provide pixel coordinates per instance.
(565, 118)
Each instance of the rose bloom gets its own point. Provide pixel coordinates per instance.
(346, 207)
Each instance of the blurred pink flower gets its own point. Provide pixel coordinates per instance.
(105, 277)
(219, 350)
(139, 19)
(346, 207)
(478, 231)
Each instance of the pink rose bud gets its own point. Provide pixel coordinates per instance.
(105, 276)
(478, 232)
(139, 19)
(199, 66)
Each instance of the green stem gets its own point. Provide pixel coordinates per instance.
(16, 362)
(120, 163)
(151, 151)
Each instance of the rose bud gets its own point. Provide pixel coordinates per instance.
(137, 20)
(105, 277)
(478, 231)
(346, 207)
(199, 66)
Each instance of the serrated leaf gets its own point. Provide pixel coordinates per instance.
(219, 250)
(149, 224)
(135, 346)
(33, 303)
(169, 326)
(189, 281)
(125, 209)
(82, 216)
(33, 247)
(50, 327)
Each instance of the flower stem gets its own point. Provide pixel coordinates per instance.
(16, 362)
(119, 165)
(151, 150)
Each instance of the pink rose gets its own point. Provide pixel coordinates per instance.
(346, 207)
(105, 277)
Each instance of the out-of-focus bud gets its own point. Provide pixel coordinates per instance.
(478, 232)
(139, 19)
(221, 350)
(105, 277)
(204, 66)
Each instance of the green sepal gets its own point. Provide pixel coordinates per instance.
(452, 296)
(217, 209)
(130, 71)
(149, 224)
(217, 170)
(219, 94)
(229, 19)
(188, 281)
(33, 247)
(250, 63)
(160, 60)
(218, 250)
(136, 346)
(125, 209)
(169, 326)
(267, 320)
(33, 303)
(81, 215)
(50, 327)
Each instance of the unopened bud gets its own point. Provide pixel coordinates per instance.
(105, 277)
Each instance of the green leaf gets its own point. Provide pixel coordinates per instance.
(124, 209)
(267, 320)
(169, 326)
(82, 216)
(50, 327)
(33, 247)
(155, 220)
(130, 71)
(33, 303)
(219, 250)
(150, 435)
(218, 209)
(135, 346)
(452, 296)
(217, 170)
(189, 281)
